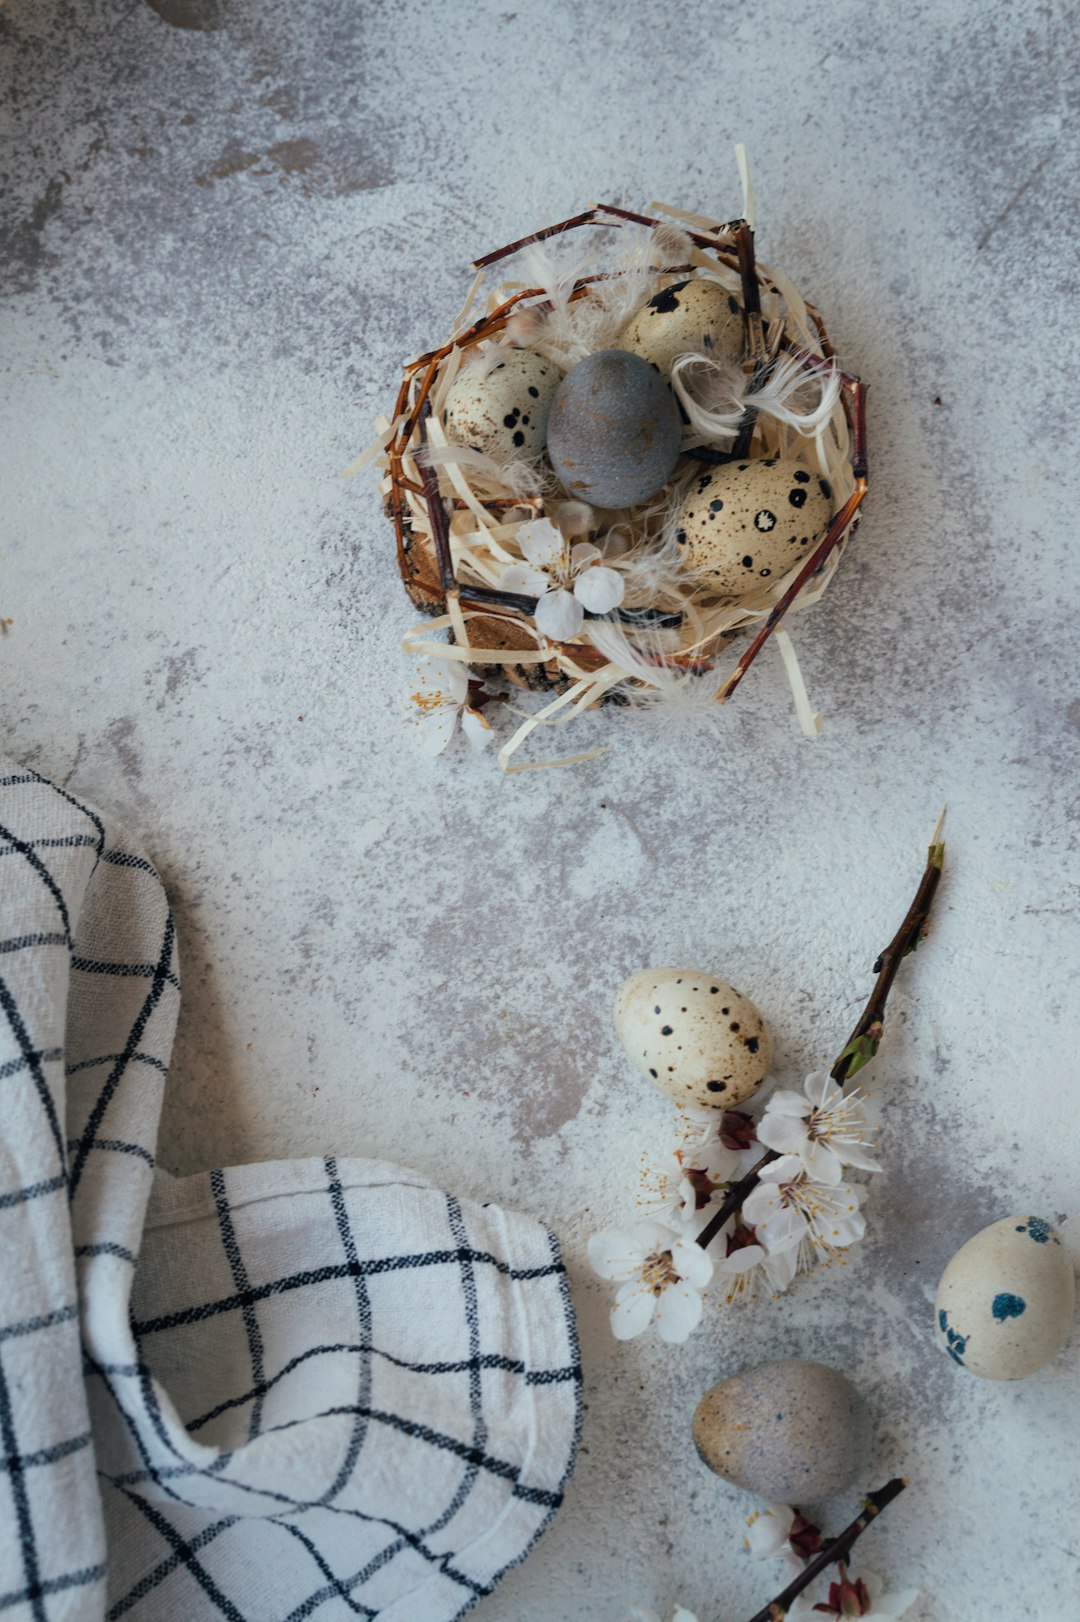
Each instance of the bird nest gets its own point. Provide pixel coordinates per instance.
(466, 516)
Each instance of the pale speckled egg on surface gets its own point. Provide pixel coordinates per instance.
(1005, 1303)
(697, 314)
(503, 409)
(744, 524)
(792, 1431)
(693, 1036)
(614, 431)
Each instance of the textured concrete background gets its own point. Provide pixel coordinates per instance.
(222, 240)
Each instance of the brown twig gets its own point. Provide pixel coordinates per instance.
(835, 1549)
(865, 1038)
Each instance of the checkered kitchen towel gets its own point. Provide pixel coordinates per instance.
(316, 1388)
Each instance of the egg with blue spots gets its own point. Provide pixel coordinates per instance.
(614, 430)
(744, 525)
(693, 315)
(500, 400)
(1005, 1303)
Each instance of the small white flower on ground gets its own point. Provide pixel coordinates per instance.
(440, 698)
(661, 1273)
(788, 1210)
(863, 1597)
(566, 579)
(827, 1129)
(778, 1530)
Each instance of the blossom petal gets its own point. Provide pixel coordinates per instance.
(784, 1170)
(896, 1604)
(524, 578)
(632, 1314)
(559, 616)
(540, 542)
(681, 1614)
(785, 1102)
(600, 589)
(476, 727)
(767, 1530)
(786, 1134)
(853, 1154)
(582, 553)
(576, 517)
(741, 1260)
(678, 1312)
(822, 1164)
(821, 1089)
(617, 1252)
(692, 1263)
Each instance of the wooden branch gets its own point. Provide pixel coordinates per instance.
(863, 1042)
(835, 1549)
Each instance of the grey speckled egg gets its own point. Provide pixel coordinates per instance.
(745, 524)
(694, 1036)
(503, 409)
(790, 1431)
(613, 433)
(695, 314)
(1006, 1300)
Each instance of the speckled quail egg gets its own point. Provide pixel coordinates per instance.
(689, 315)
(745, 524)
(614, 432)
(502, 409)
(1006, 1300)
(694, 1036)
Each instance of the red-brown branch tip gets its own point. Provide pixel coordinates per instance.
(835, 1549)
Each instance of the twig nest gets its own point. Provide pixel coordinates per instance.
(502, 408)
(747, 523)
(791, 1431)
(693, 1036)
(695, 314)
(1005, 1303)
(614, 430)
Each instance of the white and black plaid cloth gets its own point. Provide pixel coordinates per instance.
(314, 1388)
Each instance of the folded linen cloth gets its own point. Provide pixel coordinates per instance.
(312, 1388)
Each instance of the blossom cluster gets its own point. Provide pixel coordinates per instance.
(801, 1211)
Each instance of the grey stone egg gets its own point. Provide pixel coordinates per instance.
(697, 314)
(502, 409)
(613, 431)
(791, 1431)
(746, 524)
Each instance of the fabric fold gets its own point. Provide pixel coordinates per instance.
(305, 1388)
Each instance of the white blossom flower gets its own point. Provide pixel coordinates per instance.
(863, 1597)
(440, 698)
(566, 579)
(693, 1179)
(748, 1266)
(661, 1272)
(767, 1533)
(827, 1129)
(789, 1210)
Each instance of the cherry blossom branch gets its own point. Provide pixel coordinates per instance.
(834, 1549)
(866, 1037)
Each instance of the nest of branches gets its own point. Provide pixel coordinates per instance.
(459, 516)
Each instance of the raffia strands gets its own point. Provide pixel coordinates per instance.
(659, 649)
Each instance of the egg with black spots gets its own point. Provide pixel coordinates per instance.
(694, 315)
(500, 405)
(743, 525)
(614, 430)
(693, 1036)
(1005, 1303)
